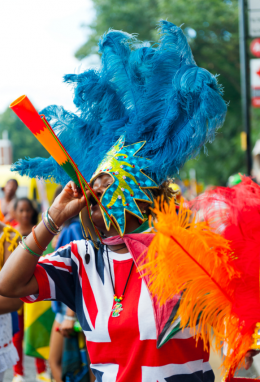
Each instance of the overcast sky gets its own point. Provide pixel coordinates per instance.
(38, 40)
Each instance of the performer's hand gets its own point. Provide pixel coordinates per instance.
(249, 358)
(67, 204)
(66, 328)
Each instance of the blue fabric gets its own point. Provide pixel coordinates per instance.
(153, 93)
(64, 285)
(70, 232)
(56, 306)
(79, 301)
(98, 374)
(67, 286)
(99, 260)
(198, 376)
(62, 278)
(61, 313)
(15, 323)
(73, 369)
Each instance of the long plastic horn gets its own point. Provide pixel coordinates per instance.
(41, 129)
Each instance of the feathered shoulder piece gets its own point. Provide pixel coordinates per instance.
(218, 275)
(235, 213)
(148, 93)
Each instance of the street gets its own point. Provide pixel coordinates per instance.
(253, 372)
(29, 368)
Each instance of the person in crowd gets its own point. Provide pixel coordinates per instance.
(62, 327)
(8, 354)
(7, 202)
(26, 216)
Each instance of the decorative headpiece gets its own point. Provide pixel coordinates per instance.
(154, 95)
(125, 168)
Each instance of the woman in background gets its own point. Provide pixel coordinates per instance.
(26, 215)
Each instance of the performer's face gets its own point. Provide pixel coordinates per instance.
(99, 186)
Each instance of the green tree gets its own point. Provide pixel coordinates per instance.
(212, 30)
(24, 142)
(131, 16)
(216, 48)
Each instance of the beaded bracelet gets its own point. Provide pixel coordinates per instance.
(36, 241)
(52, 221)
(48, 225)
(51, 225)
(25, 247)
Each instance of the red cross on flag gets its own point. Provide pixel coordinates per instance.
(255, 81)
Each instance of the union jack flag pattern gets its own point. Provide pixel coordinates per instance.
(123, 348)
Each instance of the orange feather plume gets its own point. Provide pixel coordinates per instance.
(186, 257)
(235, 212)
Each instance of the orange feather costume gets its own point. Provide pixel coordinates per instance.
(218, 275)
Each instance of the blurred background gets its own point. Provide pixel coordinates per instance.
(42, 41)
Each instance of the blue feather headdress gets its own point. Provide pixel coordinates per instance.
(155, 94)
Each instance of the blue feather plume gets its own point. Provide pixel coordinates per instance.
(155, 93)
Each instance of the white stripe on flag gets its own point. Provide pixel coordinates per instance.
(146, 321)
(159, 374)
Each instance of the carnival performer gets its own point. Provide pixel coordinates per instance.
(8, 354)
(148, 110)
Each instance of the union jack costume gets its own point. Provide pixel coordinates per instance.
(126, 348)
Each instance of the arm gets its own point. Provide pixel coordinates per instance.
(17, 276)
(249, 358)
(66, 328)
(8, 305)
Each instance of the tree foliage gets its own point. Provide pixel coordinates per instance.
(212, 30)
(24, 142)
(135, 16)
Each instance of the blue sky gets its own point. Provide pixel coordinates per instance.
(37, 45)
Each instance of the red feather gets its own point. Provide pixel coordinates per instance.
(235, 213)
